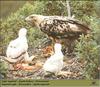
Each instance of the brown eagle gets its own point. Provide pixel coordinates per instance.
(58, 27)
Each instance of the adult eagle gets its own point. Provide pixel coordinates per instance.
(58, 27)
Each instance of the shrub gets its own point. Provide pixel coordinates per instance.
(3, 69)
(87, 50)
(95, 25)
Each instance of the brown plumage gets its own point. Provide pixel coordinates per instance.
(58, 27)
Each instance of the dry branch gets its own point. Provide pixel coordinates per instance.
(10, 60)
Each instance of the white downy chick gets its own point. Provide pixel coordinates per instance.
(54, 64)
(19, 46)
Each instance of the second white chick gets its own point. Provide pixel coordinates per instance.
(19, 46)
(55, 63)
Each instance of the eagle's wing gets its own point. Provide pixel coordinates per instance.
(59, 27)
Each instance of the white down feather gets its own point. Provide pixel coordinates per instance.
(54, 64)
(18, 46)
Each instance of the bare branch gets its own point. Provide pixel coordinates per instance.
(10, 60)
(67, 6)
(68, 9)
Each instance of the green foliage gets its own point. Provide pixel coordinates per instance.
(81, 8)
(88, 47)
(54, 8)
(97, 8)
(3, 69)
(88, 51)
(95, 25)
(39, 7)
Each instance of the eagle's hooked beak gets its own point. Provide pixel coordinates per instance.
(30, 21)
(34, 20)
